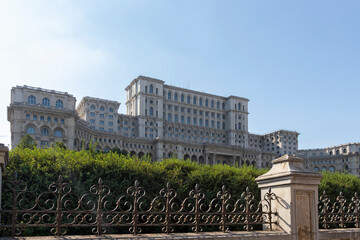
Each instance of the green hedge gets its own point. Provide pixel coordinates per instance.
(40, 167)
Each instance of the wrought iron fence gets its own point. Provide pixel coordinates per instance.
(60, 209)
(339, 213)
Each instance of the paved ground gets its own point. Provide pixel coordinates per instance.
(186, 236)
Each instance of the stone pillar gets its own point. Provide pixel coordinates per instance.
(4, 160)
(297, 197)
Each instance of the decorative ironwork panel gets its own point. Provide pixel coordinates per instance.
(60, 209)
(339, 213)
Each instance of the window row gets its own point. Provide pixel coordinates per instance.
(45, 102)
(102, 108)
(101, 122)
(195, 121)
(195, 111)
(194, 100)
(44, 131)
(101, 115)
(42, 118)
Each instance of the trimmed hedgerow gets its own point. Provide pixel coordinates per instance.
(41, 167)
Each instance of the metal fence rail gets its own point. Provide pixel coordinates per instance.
(60, 209)
(339, 213)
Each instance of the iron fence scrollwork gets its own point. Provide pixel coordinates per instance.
(339, 213)
(60, 209)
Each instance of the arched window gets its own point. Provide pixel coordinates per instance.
(30, 130)
(194, 100)
(58, 133)
(59, 104)
(169, 95)
(315, 169)
(151, 89)
(223, 106)
(151, 111)
(182, 98)
(323, 169)
(332, 169)
(200, 101)
(188, 99)
(32, 99)
(111, 110)
(206, 103)
(212, 104)
(102, 109)
(176, 97)
(239, 106)
(92, 107)
(218, 105)
(45, 131)
(46, 102)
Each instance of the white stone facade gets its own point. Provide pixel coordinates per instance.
(344, 157)
(161, 121)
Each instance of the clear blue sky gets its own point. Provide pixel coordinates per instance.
(297, 61)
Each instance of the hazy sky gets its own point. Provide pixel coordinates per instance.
(297, 61)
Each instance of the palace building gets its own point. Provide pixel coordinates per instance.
(160, 121)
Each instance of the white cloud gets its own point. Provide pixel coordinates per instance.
(43, 44)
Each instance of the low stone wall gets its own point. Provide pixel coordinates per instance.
(256, 235)
(340, 234)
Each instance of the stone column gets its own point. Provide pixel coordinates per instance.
(297, 197)
(4, 159)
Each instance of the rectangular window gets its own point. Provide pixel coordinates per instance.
(92, 120)
(194, 121)
(101, 115)
(111, 116)
(194, 111)
(176, 118)
(169, 117)
(42, 118)
(49, 119)
(110, 130)
(92, 114)
(206, 123)
(188, 120)
(212, 114)
(169, 107)
(28, 116)
(201, 122)
(182, 109)
(206, 114)
(101, 129)
(34, 117)
(62, 121)
(44, 143)
(111, 124)
(102, 122)
(55, 120)
(182, 119)
(188, 110)
(176, 108)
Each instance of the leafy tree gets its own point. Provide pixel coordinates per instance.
(27, 142)
(60, 145)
